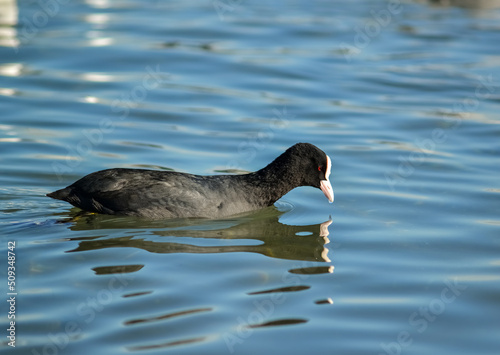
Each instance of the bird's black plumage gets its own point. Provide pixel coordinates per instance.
(166, 194)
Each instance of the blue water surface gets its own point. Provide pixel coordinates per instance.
(403, 96)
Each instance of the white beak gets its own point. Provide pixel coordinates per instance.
(325, 185)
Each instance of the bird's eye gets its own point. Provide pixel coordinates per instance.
(319, 168)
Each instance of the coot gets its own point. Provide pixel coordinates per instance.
(166, 194)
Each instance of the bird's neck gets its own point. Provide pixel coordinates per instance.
(269, 184)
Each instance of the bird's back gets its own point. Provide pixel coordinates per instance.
(154, 194)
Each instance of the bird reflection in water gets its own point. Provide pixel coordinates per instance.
(259, 232)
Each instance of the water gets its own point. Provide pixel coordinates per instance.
(403, 97)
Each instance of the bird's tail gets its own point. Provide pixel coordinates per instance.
(60, 194)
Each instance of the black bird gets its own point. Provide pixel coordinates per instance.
(167, 194)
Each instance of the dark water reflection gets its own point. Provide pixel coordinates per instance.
(118, 269)
(470, 4)
(159, 304)
(261, 233)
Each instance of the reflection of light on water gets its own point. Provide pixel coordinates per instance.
(96, 77)
(91, 99)
(478, 278)
(8, 19)
(98, 21)
(489, 222)
(11, 69)
(7, 92)
(97, 18)
(10, 140)
(373, 300)
(9, 12)
(100, 42)
(100, 4)
(54, 157)
(401, 195)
